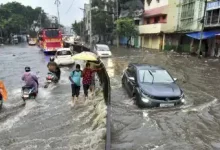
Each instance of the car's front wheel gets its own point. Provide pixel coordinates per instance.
(123, 81)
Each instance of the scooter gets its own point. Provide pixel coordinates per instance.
(51, 78)
(28, 93)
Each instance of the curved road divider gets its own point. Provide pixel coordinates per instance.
(105, 82)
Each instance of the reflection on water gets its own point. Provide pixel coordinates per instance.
(110, 67)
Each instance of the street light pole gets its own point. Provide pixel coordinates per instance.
(90, 17)
(203, 26)
(57, 2)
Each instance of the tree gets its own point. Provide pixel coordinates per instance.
(15, 17)
(102, 19)
(126, 28)
(77, 27)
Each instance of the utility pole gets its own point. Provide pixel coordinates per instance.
(90, 17)
(117, 10)
(203, 26)
(57, 2)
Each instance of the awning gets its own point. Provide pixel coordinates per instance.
(155, 11)
(205, 35)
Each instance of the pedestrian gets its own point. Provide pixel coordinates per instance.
(75, 78)
(3, 91)
(87, 78)
(93, 65)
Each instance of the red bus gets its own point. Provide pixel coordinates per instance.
(50, 39)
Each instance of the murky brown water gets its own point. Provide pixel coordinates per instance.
(194, 126)
(49, 122)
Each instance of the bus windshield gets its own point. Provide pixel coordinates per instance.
(52, 33)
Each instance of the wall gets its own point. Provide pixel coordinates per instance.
(155, 4)
(172, 16)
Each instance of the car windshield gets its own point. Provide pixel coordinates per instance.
(60, 53)
(155, 76)
(102, 48)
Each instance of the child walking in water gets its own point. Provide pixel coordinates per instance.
(75, 78)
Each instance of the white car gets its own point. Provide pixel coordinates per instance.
(102, 50)
(63, 56)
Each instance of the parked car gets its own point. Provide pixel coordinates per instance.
(32, 41)
(102, 50)
(63, 56)
(152, 86)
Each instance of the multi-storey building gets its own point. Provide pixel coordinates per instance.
(159, 19)
(212, 24)
(190, 14)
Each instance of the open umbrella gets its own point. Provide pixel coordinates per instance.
(85, 56)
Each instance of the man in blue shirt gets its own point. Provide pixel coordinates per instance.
(75, 78)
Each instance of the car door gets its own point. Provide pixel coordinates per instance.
(131, 79)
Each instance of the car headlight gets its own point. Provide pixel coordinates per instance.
(182, 98)
(145, 98)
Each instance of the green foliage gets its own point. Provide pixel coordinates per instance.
(102, 19)
(126, 27)
(77, 27)
(15, 17)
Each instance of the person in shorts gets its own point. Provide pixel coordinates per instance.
(75, 78)
(87, 78)
(93, 65)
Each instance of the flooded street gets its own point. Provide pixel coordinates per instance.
(48, 122)
(193, 126)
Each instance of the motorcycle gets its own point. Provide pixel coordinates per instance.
(28, 93)
(51, 78)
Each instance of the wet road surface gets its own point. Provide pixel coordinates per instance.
(193, 126)
(48, 122)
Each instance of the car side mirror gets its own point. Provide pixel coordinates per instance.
(175, 79)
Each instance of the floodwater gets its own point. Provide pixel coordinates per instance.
(193, 126)
(48, 122)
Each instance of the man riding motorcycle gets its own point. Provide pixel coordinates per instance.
(54, 68)
(30, 79)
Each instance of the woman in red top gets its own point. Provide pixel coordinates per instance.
(87, 78)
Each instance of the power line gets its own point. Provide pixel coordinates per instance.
(70, 7)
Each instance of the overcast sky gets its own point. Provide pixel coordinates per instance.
(66, 18)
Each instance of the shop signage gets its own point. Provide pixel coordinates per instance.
(213, 5)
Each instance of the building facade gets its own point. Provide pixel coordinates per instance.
(159, 21)
(190, 14)
(212, 24)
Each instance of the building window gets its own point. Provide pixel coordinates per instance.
(148, 2)
(156, 19)
(148, 21)
(164, 17)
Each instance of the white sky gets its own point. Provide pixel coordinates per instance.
(49, 7)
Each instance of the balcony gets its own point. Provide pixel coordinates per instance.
(150, 28)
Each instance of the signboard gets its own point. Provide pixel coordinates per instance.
(213, 5)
